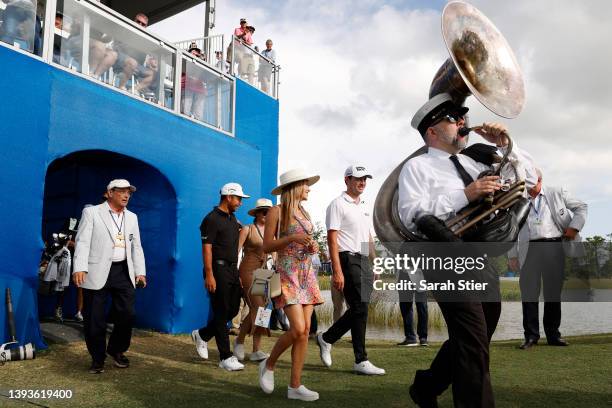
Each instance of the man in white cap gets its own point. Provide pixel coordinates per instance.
(108, 260)
(439, 183)
(350, 242)
(220, 232)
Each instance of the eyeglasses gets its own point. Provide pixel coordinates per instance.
(141, 23)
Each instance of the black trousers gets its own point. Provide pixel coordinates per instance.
(545, 264)
(225, 304)
(405, 304)
(463, 359)
(119, 286)
(357, 289)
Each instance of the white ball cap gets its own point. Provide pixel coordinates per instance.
(357, 172)
(120, 183)
(234, 189)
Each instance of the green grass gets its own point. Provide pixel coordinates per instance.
(166, 372)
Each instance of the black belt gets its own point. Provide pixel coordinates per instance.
(223, 262)
(120, 262)
(558, 239)
(357, 254)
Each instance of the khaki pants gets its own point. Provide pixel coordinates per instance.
(242, 314)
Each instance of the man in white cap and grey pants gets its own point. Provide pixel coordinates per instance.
(108, 260)
(349, 240)
(220, 232)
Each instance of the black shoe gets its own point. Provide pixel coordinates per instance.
(408, 343)
(423, 342)
(420, 400)
(96, 368)
(120, 360)
(558, 342)
(529, 343)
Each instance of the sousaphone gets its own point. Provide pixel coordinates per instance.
(482, 64)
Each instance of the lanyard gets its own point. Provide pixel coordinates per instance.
(537, 209)
(119, 227)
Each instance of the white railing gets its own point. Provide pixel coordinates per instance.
(212, 49)
(240, 60)
(97, 43)
(251, 66)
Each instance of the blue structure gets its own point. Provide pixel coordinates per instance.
(65, 137)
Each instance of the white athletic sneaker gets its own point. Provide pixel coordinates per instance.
(201, 345)
(302, 393)
(231, 364)
(324, 351)
(238, 350)
(266, 378)
(78, 317)
(258, 355)
(367, 368)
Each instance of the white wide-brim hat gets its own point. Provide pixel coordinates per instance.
(293, 176)
(261, 203)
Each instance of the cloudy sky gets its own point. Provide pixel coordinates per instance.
(354, 72)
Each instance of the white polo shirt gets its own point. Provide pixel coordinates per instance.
(352, 221)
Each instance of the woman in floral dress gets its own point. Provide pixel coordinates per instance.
(289, 233)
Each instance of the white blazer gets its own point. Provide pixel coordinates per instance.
(93, 251)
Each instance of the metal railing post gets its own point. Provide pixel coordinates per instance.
(85, 51)
(178, 72)
(233, 57)
(49, 30)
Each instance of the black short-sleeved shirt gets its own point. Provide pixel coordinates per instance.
(221, 230)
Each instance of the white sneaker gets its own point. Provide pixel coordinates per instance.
(238, 350)
(367, 368)
(231, 364)
(201, 345)
(324, 350)
(302, 393)
(78, 317)
(266, 378)
(258, 355)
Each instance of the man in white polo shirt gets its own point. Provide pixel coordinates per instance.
(349, 240)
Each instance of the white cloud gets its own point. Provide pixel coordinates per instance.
(354, 72)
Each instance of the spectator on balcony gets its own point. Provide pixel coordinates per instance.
(241, 32)
(246, 64)
(19, 24)
(193, 86)
(131, 61)
(220, 64)
(101, 55)
(264, 74)
(57, 39)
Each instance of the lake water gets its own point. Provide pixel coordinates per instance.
(578, 318)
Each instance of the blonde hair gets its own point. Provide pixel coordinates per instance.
(291, 198)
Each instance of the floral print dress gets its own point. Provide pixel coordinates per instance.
(299, 285)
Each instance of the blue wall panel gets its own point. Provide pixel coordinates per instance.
(48, 114)
(257, 124)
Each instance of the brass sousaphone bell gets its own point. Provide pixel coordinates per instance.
(482, 64)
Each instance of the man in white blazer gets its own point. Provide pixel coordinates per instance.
(108, 260)
(549, 235)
